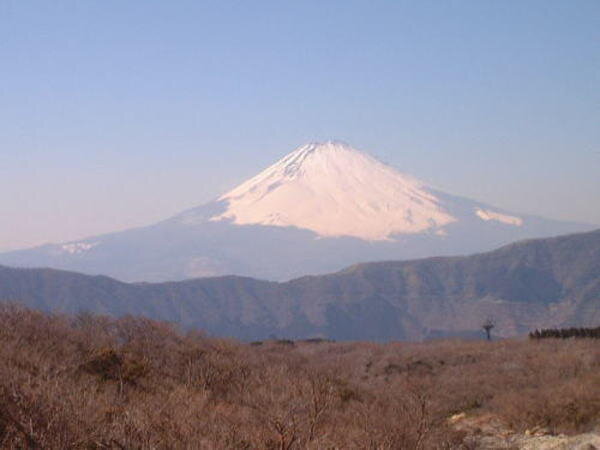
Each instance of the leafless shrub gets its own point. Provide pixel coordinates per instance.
(94, 382)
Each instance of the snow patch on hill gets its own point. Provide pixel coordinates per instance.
(76, 248)
(486, 214)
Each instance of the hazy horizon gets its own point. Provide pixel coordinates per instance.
(118, 115)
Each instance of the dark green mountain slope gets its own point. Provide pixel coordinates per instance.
(537, 283)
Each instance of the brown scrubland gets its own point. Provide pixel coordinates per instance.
(95, 382)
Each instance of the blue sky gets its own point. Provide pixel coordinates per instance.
(116, 114)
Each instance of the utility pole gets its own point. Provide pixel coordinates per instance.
(487, 326)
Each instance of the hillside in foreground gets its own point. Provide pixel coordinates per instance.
(92, 382)
(543, 283)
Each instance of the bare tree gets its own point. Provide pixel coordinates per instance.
(487, 326)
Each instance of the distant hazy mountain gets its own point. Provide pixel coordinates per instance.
(539, 283)
(320, 208)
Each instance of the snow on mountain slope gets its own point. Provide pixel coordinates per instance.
(75, 248)
(335, 190)
(321, 208)
(486, 214)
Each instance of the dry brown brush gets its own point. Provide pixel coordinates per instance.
(94, 382)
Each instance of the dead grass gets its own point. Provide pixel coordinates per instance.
(94, 382)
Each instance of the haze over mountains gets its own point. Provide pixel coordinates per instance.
(321, 208)
(552, 282)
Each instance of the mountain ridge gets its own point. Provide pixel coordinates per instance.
(533, 284)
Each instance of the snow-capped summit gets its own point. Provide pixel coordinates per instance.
(322, 207)
(335, 190)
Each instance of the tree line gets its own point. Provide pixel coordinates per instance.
(564, 333)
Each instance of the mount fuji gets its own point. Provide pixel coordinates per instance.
(321, 208)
